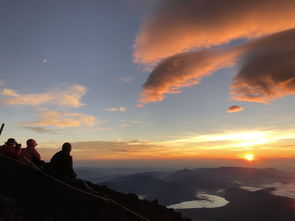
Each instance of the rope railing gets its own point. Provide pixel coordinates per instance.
(34, 166)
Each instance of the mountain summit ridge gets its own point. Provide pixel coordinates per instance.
(26, 194)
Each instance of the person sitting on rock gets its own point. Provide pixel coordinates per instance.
(30, 154)
(11, 148)
(61, 164)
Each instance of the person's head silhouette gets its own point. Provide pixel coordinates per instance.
(66, 148)
(31, 143)
(11, 142)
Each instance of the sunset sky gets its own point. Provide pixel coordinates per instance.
(150, 79)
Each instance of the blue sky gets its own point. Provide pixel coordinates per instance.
(53, 49)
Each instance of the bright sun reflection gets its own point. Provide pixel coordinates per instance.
(249, 157)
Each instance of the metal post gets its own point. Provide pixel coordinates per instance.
(1, 129)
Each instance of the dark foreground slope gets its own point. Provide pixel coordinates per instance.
(28, 195)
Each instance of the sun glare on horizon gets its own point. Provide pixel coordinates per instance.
(249, 157)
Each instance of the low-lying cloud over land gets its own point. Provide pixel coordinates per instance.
(286, 190)
(206, 201)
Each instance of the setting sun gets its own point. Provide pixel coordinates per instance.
(249, 157)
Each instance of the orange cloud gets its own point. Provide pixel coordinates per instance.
(267, 69)
(226, 144)
(63, 119)
(177, 26)
(67, 97)
(184, 70)
(116, 149)
(234, 109)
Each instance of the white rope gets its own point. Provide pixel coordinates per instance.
(78, 189)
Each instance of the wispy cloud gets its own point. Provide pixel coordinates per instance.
(234, 109)
(41, 130)
(115, 149)
(68, 96)
(63, 119)
(127, 79)
(117, 109)
(129, 123)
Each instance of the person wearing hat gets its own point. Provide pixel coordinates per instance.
(30, 154)
(11, 148)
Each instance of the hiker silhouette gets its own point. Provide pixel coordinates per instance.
(11, 148)
(61, 164)
(61, 167)
(30, 154)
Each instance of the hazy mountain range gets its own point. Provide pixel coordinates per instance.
(252, 194)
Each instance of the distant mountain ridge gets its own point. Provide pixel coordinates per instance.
(174, 187)
(28, 195)
(227, 182)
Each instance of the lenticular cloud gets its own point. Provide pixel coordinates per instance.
(267, 69)
(177, 25)
(187, 41)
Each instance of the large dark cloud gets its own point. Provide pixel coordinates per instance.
(179, 35)
(178, 25)
(267, 69)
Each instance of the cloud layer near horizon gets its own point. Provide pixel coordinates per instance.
(233, 144)
(177, 34)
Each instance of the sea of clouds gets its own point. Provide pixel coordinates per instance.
(286, 190)
(204, 201)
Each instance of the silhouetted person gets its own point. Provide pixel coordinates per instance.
(61, 164)
(11, 148)
(30, 154)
